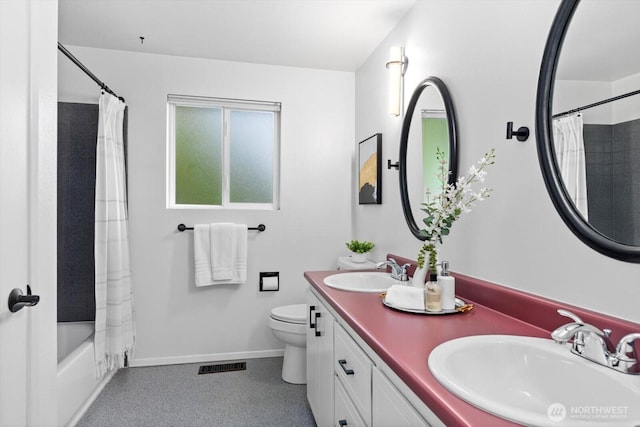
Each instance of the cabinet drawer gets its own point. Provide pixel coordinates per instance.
(346, 414)
(353, 368)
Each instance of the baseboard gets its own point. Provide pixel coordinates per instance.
(197, 358)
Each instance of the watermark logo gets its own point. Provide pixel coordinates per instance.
(557, 412)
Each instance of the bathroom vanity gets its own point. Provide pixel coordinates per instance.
(346, 379)
(367, 363)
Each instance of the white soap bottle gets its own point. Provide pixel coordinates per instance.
(448, 287)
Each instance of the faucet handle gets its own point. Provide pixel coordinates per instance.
(404, 276)
(627, 348)
(570, 315)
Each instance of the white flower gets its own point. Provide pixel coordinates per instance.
(446, 206)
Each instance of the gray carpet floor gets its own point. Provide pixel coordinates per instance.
(176, 396)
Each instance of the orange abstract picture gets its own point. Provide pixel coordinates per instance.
(369, 170)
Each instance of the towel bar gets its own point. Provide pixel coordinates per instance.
(260, 227)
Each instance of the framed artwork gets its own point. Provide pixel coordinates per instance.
(370, 170)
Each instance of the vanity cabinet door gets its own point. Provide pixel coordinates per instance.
(346, 414)
(390, 408)
(320, 361)
(353, 370)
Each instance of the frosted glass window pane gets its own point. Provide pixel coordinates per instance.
(251, 156)
(198, 155)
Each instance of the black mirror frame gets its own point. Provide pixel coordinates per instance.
(546, 152)
(404, 140)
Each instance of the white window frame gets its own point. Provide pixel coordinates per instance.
(227, 105)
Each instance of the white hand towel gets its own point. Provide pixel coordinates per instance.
(202, 255)
(223, 248)
(239, 257)
(220, 253)
(403, 296)
(228, 253)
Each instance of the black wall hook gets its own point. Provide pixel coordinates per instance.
(395, 165)
(522, 134)
(18, 300)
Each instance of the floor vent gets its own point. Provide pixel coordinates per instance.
(222, 367)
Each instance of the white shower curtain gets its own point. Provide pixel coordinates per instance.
(114, 331)
(569, 144)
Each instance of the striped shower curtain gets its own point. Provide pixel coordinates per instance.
(114, 330)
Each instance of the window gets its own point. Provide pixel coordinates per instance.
(223, 153)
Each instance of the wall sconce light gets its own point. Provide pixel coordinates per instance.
(397, 66)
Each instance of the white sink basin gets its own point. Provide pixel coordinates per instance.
(361, 281)
(535, 381)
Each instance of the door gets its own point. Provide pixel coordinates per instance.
(28, 74)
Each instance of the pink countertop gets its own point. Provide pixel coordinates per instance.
(404, 341)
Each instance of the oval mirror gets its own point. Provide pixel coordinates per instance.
(588, 123)
(429, 125)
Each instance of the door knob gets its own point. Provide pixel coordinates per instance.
(17, 299)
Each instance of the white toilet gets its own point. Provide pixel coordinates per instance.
(288, 324)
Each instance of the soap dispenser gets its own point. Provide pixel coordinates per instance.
(448, 287)
(432, 294)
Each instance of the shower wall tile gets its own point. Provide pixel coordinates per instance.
(77, 136)
(598, 159)
(626, 174)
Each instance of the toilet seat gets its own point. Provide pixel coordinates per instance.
(295, 313)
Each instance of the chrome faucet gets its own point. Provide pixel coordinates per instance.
(398, 272)
(595, 345)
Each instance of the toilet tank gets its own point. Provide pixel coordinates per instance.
(346, 263)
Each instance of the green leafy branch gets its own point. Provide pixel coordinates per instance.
(444, 208)
(359, 247)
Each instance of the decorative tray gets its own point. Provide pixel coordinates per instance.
(461, 307)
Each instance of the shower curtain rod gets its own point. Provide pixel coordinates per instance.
(595, 104)
(80, 65)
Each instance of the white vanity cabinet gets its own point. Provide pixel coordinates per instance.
(320, 374)
(346, 414)
(364, 396)
(390, 408)
(353, 372)
(348, 384)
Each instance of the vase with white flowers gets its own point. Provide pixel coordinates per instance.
(447, 205)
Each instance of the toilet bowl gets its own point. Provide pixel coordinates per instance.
(288, 324)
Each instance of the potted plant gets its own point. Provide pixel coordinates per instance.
(359, 250)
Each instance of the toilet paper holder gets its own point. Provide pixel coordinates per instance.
(269, 281)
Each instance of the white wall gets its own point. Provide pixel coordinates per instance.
(571, 94)
(488, 53)
(626, 109)
(176, 321)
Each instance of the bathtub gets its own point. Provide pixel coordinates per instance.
(77, 385)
